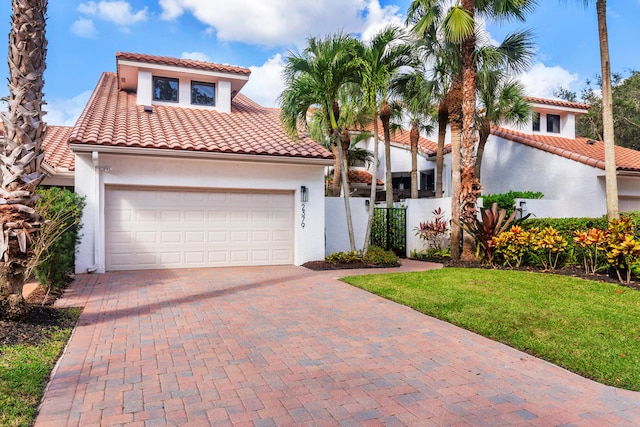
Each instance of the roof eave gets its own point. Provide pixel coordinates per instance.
(253, 158)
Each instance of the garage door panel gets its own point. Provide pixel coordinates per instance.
(197, 229)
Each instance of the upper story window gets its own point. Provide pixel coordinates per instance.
(203, 93)
(553, 123)
(165, 89)
(536, 122)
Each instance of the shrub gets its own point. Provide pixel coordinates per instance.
(623, 248)
(507, 200)
(483, 230)
(513, 245)
(376, 256)
(590, 243)
(55, 244)
(346, 257)
(433, 232)
(548, 245)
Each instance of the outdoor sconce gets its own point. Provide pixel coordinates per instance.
(367, 204)
(304, 194)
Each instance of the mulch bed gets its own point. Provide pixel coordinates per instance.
(41, 321)
(326, 265)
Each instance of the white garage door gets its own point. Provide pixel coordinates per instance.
(149, 228)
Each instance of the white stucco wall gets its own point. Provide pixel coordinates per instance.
(171, 172)
(336, 233)
(420, 210)
(508, 166)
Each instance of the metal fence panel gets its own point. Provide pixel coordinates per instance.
(389, 229)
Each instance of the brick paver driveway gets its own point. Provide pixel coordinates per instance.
(273, 346)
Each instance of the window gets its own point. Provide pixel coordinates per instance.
(428, 180)
(536, 122)
(553, 123)
(203, 93)
(165, 89)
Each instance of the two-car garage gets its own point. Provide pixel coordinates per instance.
(151, 228)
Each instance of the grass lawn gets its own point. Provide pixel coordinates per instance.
(24, 371)
(587, 327)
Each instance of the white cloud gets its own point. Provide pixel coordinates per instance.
(65, 112)
(118, 11)
(541, 81)
(84, 27)
(283, 22)
(196, 56)
(378, 17)
(265, 84)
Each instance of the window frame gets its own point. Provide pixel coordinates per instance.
(551, 119)
(169, 79)
(206, 84)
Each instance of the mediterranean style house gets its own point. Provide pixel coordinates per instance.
(179, 169)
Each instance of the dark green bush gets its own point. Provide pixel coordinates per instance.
(55, 245)
(508, 200)
(376, 256)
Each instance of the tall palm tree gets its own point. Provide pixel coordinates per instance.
(21, 154)
(383, 57)
(456, 23)
(418, 102)
(315, 77)
(611, 182)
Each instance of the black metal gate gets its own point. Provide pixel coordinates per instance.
(389, 230)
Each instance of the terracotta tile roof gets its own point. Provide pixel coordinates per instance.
(401, 136)
(57, 153)
(112, 118)
(583, 150)
(357, 176)
(184, 63)
(558, 103)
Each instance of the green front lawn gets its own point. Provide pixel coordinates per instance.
(24, 371)
(587, 327)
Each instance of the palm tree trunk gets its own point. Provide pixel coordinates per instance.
(468, 186)
(611, 183)
(385, 117)
(374, 179)
(443, 120)
(483, 134)
(337, 171)
(21, 150)
(455, 120)
(414, 136)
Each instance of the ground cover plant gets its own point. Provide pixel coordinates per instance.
(29, 349)
(587, 327)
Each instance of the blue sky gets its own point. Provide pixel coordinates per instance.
(85, 35)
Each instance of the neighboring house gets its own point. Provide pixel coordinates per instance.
(542, 155)
(545, 155)
(179, 169)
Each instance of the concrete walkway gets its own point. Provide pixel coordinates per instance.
(277, 346)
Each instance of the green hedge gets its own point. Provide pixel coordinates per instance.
(508, 200)
(56, 261)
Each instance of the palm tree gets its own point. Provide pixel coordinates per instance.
(383, 57)
(315, 77)
(501, 100)
(415, 93)
(611, 183)
(21, 154)
(456, 24)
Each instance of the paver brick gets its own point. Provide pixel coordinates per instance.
(278, 346)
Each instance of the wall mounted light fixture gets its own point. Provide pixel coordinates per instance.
(304, 194)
